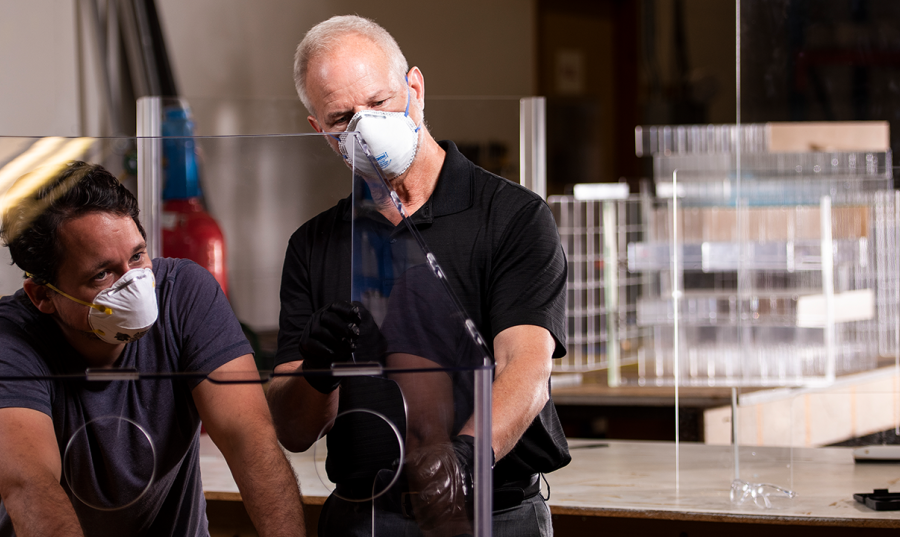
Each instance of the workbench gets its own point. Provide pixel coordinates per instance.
(852, 406)
(613, 487)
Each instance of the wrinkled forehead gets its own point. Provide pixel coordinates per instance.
(348, 49)
(96, 238)
(355, 65)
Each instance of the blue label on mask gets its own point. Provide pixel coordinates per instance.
(383, 160)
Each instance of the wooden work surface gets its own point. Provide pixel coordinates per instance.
(639, 480)
(597, 394)
(218, 483)
(592, 390)
(618, 479)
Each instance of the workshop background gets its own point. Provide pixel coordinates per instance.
(605, 67)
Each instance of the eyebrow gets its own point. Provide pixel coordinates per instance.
(106, 262)
(374, 97)
(334, 116)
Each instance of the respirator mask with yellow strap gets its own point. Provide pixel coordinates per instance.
(123, 312)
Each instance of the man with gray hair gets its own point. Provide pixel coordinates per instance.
(496, 242)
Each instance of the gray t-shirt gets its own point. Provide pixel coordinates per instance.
(130, 449)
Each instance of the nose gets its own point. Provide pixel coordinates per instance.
(119, 269)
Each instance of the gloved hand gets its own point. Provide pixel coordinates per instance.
(330, 337)
(441, 480)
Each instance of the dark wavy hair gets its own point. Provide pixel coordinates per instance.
(31, 226)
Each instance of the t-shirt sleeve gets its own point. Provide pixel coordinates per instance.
(210, 334)
(528, 279)
(19, 361)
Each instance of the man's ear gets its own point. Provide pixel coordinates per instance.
(39, 295)
(417, 85)
(314, 123)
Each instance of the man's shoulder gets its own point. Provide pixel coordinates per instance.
(26, 332)
(494, 185)
(16, 310)
(506, 201)
(169, 269)
(488, 188)
(504, 189)
(175, 277)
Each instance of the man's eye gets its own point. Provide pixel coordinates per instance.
(137, 257)
(101, 275)
(379, 103)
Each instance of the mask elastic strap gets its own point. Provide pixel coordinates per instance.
(406, 112)
(102, 309)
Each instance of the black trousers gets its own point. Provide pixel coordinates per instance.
(359, 519)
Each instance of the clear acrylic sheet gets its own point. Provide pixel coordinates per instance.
(421, 374)
(754, 283)
(412, 401)
(112, 456)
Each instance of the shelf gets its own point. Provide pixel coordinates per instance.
(787, 256)
(785, 308)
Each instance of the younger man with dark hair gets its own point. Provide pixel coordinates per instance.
(121, 457)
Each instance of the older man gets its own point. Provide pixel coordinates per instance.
(495, 240)
(114, 455)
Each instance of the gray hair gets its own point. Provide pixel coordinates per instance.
(326, 35)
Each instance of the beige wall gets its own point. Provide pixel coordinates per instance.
(233, 60)
(244, 48)
(38, 66)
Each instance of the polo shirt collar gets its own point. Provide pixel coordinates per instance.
(453, 192)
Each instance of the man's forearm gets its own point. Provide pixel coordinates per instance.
(269, 490)
(41, 507)
(515, 405)
(520, 387)
(299, 411)
(238, 421)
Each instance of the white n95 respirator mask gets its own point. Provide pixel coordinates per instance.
(391, 138)
(123, 312)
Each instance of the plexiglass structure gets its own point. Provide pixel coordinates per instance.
(421, 374)
(752, 285)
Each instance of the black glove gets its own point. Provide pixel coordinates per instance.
(330, 337)
(441, 480)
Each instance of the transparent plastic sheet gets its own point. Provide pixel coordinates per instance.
(421, 376)
(112, 450)
(257, 187)
(817, 68)
(485, 128)
(806, 452)
(753, 296)
(714, 184)
(812, 297)
(817, 61)
(753, 284)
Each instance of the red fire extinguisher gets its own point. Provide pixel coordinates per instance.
(188, 230)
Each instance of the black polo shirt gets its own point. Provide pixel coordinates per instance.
(497, 243)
